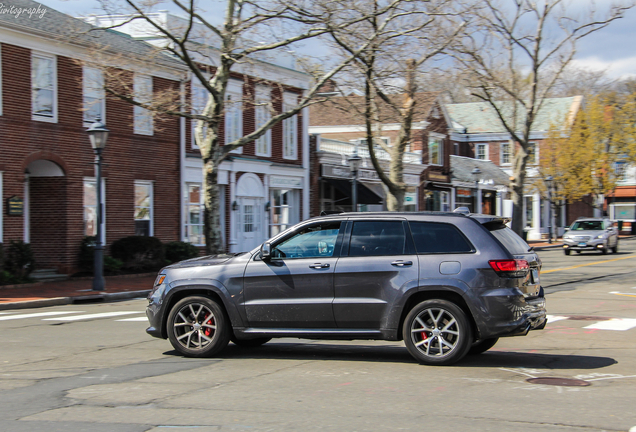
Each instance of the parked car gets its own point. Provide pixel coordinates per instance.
(587, 234)
(446, 283)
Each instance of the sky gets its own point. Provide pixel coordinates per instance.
(609, 49)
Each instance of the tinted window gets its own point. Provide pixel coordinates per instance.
(373, 238)
(508, 238)
(431, 237)
(587, 225)
(310, 242)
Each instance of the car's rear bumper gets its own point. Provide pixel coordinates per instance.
(512, 315)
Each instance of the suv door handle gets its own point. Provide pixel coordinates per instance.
(400, 263)
(318, 265)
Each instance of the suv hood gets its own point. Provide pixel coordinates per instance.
(209, 260)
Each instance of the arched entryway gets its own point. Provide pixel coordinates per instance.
(250, 201)
(45, 215)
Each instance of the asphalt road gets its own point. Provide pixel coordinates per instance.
(70, 370)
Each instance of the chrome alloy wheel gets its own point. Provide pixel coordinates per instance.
(194, 326)
(435, 332)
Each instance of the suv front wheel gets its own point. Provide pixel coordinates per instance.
(437, 332)
(198, 327)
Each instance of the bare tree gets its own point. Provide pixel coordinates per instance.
(404, 39)
(251, 31)
(516, 53)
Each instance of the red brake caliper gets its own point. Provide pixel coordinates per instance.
(208, 330)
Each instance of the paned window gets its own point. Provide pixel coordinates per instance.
(0, 114)
(143, 208)
(533, 156)
(90, 208)
(505, 154)
(194, 214)
(143, 123)
(482, 151)
(234, 113)
(375, 238)
(431, 237)
(94, 101)
(290, 127)
(262, 115)
(199, 100)
(44, 88)
(283, 210)
(435, 156)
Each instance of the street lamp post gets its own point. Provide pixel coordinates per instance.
(476, 172)
(98, 135)
(354, 164)
(548, 181)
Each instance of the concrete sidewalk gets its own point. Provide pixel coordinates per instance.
(74, 290)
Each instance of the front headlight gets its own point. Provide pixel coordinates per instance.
(600, 236)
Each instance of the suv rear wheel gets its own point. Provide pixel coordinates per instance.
(198, 327)
(437, 332)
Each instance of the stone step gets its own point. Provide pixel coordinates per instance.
(45, 275)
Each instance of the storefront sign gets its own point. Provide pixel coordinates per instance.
(285, 182)
(15, 206)
(433, 176)
(463, 192)
(335, 171)
(409, 198)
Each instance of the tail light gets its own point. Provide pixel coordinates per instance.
(510, 267)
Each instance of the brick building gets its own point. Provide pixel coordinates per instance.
(265, 184)
(477, 132)
(340, 124)
(47, 181)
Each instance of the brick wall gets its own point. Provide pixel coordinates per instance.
(127, 157)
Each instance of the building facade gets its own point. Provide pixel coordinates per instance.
(49, 96)
(477, 132)
(264, 185)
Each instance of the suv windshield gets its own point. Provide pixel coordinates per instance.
(587, 225)
(507, 237)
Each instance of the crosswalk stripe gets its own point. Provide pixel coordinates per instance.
(555, 318)
(133, 319)
(620, 324)
(36, 315)
(91, 316)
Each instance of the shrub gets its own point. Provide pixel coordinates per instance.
(86, 258)
(19, 260)
(139, 252)
(7, 278)
(178, 251)
(112, 265)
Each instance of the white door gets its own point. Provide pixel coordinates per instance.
(250, 223)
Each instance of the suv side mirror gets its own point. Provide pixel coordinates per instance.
(567, 228)
(266, 251)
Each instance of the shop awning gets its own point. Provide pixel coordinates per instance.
(365, 195)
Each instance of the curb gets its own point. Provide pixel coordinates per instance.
(58, 301)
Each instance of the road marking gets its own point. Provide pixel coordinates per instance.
(36, 315)
(90, 316)
(588, 264)
(622, 294)
(620, 324)
(555, 318)
(133, 319)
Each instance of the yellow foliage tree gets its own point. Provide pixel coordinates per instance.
(588, 158)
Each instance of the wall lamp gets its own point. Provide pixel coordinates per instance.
(234, 206)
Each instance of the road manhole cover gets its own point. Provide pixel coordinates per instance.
(564, 382)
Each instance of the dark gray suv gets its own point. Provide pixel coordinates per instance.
(446, 283)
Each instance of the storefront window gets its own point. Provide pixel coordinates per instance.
(143, 208)
(282, 210)
(194, 215)
(90, 208)
(529, 201)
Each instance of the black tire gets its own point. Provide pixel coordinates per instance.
(481, 346)
(444, 325)
(198, 327)
(567, 251)
(604, 251)
(615, 248)
(250, 343)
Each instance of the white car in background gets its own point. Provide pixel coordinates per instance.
(587, 234)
